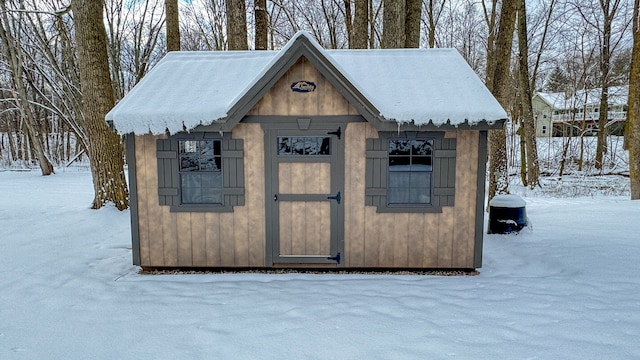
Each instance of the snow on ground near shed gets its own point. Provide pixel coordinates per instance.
(568, 289)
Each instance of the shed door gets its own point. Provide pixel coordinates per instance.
(305, 217)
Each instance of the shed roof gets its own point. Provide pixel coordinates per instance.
(423, 87)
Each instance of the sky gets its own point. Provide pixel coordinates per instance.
(564, 288)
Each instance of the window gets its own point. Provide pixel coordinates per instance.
(200, 171)
(304, 145)
(410, 167)
(410, 172)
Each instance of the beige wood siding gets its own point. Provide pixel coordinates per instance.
(281, 100)
(184, 239)
(444, 240)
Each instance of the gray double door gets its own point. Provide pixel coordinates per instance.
(305, 199)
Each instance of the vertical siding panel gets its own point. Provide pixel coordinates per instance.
(430, 246)
(470, 233)
(227, 239)
(184, 238)
(168, 237)
(372, 221)
(254, 190)
(400, 238)
(198, 239)
(372, 237)
(415, 240)
(445, 238)
(156, 243)
(142, 178)
(212, 234)
(241, 236)
(385, 228)
(354, 194)
(465, 194)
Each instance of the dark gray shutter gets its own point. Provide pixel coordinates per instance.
(444, 172)
(168, 180)
(376, 176)
(233, 171)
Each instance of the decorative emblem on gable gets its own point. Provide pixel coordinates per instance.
(303, 86)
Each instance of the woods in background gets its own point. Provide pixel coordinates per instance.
(49, 111)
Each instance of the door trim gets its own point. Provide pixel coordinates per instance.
(290, 126)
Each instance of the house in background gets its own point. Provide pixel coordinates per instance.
(308, 158)
(555, 113)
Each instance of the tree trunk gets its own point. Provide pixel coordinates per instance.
(236, 25)
(262, 24)
(633, 113)
(498, 170)
(412, 23)
(173, 25)
(360, 29)
(527, 121)
(393, 20)
(105, 149)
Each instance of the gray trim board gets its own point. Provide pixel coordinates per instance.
(482, 173)
(133, 198)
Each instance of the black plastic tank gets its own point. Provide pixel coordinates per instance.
(507, 214)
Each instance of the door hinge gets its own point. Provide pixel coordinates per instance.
(335, 258)
(336, 133)
(336, 198)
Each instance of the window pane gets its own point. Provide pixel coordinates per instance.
(189, 162)
(398, 196)
(421, 147)
(399, 163)
(421, 163)
(284, 146)
(200, 171)
(399, 147)
(202, 188)
(297, 145)
(400, 179)
(304, 145)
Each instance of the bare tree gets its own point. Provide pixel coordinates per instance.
(528, 126)
(236, 25)
(105, 150)
(393, 24)
(360, 28)
(262, 24)
(499, 86)
(434, 12)
(412, 23)
(633, 113)
(172, 25)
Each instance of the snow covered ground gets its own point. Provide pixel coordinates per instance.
(566, 289)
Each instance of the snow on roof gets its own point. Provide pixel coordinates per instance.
(420, 85)
(555, 100)
(187, 89)
(618, 95)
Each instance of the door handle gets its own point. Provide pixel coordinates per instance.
(275, 197)
(336, 198)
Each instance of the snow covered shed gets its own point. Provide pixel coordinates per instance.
(307, 157)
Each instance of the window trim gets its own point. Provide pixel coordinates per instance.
(430, 172)
(443, 163)
(169, 187)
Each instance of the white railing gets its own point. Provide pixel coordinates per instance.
(590, 116)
